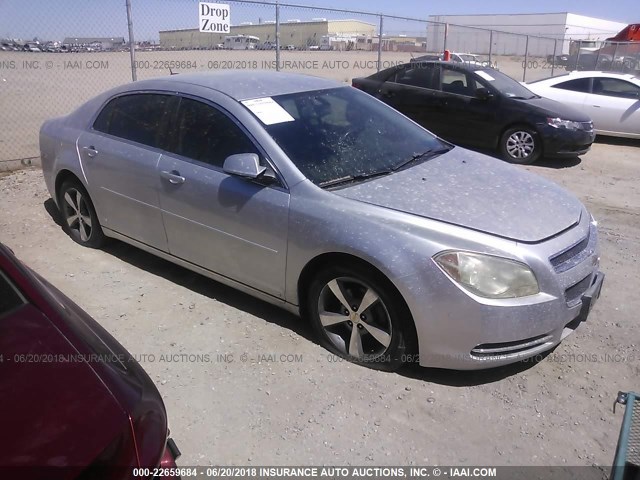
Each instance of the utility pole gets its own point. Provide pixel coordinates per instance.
(132, 46)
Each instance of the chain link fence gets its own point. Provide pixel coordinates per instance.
(52, 60)
(623, 57)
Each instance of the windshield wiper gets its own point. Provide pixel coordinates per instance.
(429, 153)
(520, 97)
(353, 178)
(386, 171)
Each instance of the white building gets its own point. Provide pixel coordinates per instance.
(561, 27)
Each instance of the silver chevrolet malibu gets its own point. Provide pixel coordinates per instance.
(396, 245)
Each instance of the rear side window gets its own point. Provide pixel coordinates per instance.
(615, 87)
(582, 85)
(419, 75)
(10, 297)
(204, 133)
(139, 118)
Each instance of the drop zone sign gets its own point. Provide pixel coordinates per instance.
(214, 17)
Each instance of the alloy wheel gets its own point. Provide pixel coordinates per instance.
(354, 318)
(520, 144)
(76, 214)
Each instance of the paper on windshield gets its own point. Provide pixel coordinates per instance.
(268, 111)
(485, 75)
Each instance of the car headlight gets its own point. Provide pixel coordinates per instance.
(488, 276)
(560, 123)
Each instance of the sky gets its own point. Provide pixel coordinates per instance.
(54, 20)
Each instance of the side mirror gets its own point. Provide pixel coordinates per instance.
(246, 165)
(483, 93)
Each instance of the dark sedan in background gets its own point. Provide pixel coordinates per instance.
(75, 404)
(480, 106)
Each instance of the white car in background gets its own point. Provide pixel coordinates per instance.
(612, 100)
(468, 59)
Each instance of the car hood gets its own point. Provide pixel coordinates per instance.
(551, 108)
(56, 409)
(475, 191)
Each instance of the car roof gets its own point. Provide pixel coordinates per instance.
(244, 84)
(459, 65)
(588, 74)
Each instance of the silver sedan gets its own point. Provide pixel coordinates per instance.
(397, 246)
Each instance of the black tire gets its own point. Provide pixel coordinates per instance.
(521, 145)
(387, 317)
(73, 197)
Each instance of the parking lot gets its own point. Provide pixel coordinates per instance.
(39, 86)
(246, 383)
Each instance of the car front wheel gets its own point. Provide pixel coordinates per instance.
(79, 219)
(520, 145)
(358, 316)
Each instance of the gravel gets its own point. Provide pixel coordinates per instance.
(245, 383)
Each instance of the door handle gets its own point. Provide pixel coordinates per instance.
(91, 151)
(173, 176)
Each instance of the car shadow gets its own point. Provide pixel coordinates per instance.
(197, 283)
(544, 162)
(208, 288)
(244, 302)
(52, 209)
(557, 163)
(469, 378)
(620, 141)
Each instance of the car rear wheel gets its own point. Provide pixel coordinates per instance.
(520, 145)
(358, 316)
(79, 219)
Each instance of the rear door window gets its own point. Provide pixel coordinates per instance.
(419, 75)
(139, 117)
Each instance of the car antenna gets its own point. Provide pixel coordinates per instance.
(171, 72)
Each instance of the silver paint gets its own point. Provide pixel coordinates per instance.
(259, 239)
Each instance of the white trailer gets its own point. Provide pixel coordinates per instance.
(240, 42)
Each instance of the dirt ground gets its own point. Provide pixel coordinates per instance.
(250, 385)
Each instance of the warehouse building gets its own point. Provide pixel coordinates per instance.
(300, 34)
(561, 31)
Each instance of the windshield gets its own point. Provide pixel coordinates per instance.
(466, 57)
(505, 84)
(343, 133)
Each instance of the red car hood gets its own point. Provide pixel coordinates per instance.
(51, 400)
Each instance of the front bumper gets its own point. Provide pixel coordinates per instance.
(495, 353)
(458, 330)
(560, 142)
